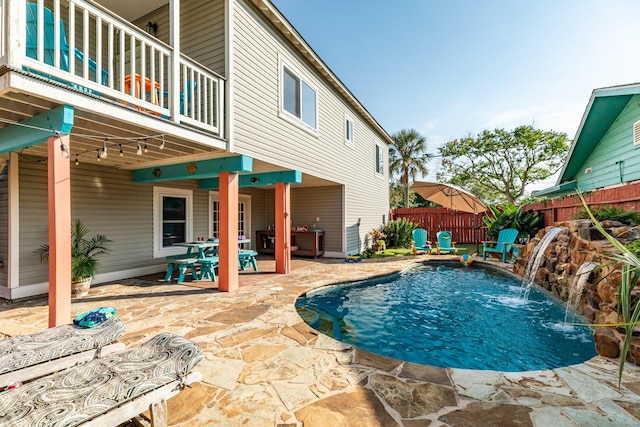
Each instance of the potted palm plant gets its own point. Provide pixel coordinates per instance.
(85, 253)
(377, 239)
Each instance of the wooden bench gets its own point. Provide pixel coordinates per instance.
(208, 267)
(107, 391)
(247, 257)
(25, 357)
(182, 263)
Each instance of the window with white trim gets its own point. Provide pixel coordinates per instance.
(379, 160)
(172, 219)
(298, 97)
(244, 215)
(348, 130)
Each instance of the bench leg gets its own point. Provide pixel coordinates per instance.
(253, 263)
(183, 271)
(167, 277)
(158, 412)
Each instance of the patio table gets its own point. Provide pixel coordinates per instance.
(196, 252)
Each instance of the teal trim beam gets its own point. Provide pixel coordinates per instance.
(36, 129)
(194, 170)
(257, 179)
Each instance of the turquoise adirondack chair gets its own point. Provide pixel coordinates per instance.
(445, 245)
(420, 242)
(506, 239)
(49, 47)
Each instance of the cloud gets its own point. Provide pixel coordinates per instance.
(560, 118)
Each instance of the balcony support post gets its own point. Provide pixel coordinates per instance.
(16, 32)
(174, 40)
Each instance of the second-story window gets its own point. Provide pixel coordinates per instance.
(379, 160)
(348, 131)
(298, 98)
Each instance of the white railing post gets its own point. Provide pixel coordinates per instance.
(174, 74)
(15, 32)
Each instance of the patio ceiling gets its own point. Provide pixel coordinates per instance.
(132, 10)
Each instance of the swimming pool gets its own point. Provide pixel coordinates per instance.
(450, 316)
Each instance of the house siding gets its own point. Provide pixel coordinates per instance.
(107, 202)
(261, 133)
(616, 144)
(202, 31)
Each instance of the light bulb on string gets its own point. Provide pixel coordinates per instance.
(65, 150)
(139, 150)
(145, 147)
(104, 153)
(162, 143)
(77, 162)
(98, 155)
(121, 152)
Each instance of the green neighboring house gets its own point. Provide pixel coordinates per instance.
(606, 149)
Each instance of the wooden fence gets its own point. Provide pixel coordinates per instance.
(463, 226)
(626, 197)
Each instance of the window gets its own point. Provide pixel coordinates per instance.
(379, 160)
(298, 99)
(348, 131)
(244, 214)
(172, 219)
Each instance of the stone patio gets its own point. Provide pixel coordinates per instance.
(265, 367)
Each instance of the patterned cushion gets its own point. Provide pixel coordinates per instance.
(79, 394)
(28, 350)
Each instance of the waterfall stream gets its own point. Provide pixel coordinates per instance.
(536, 259)
(577, 286)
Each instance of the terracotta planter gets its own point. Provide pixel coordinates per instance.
(80, 289)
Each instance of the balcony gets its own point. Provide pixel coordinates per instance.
(83, 45)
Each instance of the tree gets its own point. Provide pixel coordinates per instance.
(497, 165)
(407, 158)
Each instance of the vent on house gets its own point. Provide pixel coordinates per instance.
(587, 171)
(636, 133)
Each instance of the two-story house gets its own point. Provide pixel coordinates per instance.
(162, 121)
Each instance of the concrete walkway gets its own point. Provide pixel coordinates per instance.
(265, 367)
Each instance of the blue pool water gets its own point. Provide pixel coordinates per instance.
(450, 316)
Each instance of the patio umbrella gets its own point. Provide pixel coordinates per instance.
(452, 197)
(449, 196)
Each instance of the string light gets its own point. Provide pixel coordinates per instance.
(104, 153)
(139, 150)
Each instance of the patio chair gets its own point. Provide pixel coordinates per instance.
(30, 356)
(107, 391)
(444, 245)
(420, 243)
(506, 239)
(49, 47)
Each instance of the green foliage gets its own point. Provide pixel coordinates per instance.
(398, 233)
(377, 234)
(408, 158)
(368, 253)
(634, 247)
(628, 306)
(497, 165)
(612, 213)
(509, 216)
(84, 252)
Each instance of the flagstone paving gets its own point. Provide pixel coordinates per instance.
(263, 366)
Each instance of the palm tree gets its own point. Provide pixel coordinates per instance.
(408, 158)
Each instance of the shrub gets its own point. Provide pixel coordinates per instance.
(612, 213)
(398, 233)
(528, 223)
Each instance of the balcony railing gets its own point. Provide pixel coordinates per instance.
(83, 45)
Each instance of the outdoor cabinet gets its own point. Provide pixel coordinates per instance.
(303, 243)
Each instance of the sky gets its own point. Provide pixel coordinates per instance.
(450, 68)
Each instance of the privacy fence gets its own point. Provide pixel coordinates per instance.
(626, 197)
(464, 227)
